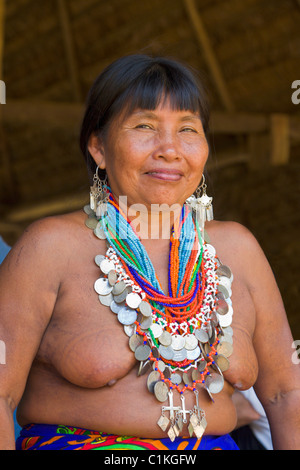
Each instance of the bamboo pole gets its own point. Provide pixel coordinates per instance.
(4, 153)
(2, 15)
(69, 48)
(209, 54)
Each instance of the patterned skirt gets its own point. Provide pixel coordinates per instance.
(54, 437)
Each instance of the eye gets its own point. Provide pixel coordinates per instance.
(143, 126)
(189, 129)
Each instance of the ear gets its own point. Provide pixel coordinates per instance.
(96, 149)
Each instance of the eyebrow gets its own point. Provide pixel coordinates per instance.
(152, 115)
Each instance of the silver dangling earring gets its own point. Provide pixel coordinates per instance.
(201, 204)
(99, 195)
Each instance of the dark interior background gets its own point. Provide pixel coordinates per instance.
(248, 53)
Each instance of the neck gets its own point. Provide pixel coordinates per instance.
(151, 223)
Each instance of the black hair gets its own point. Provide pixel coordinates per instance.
(139, 82)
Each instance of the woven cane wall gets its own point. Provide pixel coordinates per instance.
(267, 203)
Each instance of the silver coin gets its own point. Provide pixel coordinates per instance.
(186, 379)
(99, 232)
(176, 378)
(146, 322)
(226, 282)
(209, 393)
(106, 266)
(215, 382)
(160, 365)
(214, 321)
(156, 330)
(119, 287)
(191, 342)
(106, 299)
(223, 290)
(207, 349)
(230, 309)
(91, 223)
(102, 286)
(196, 375)
(211, 250)
(201, 335)
(166, 352)
(127, 316)
(87, 209)
(222, 307)
(228, 330)
(202, 365)
(165, 338)
(121, 297)
(153, 378)
(194, 354)
(225, 320)
(133, 300)
(161, 391)
(135, 341)
(99, 259)
(224, 271)
(180, 355)
(144, 367)
(115, 308)
(226, 337)
(222, 362)
(206, 237)
(224, 348)
(212, 337)
(112, 277)
(155, 352)
(178, 342)
(142, 352)
(145, 308)
(130, 330)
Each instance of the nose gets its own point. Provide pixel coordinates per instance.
(167, 147)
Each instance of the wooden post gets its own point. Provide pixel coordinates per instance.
(259, 150)
(69, 48)
(280, 139)
(5, 162)
(2, 15)
(209, 54)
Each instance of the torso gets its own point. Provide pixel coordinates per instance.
(84, 373)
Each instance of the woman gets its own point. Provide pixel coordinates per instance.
(159, 306)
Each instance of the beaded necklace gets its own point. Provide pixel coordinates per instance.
(183, 339)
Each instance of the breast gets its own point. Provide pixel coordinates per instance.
(243, 370)
(90, 356)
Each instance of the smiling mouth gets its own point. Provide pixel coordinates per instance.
(165, 175)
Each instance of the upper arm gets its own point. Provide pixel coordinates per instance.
(29, 283)
(272, 337)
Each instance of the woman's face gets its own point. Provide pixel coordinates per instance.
(153, 157)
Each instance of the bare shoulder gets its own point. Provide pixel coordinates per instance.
(237, 246)
(53, 231)
(55, 226)
(45, 244)
(232, 233)
(234, 237)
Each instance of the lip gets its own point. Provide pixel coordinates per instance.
(165, 174)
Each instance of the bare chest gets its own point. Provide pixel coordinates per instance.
(89, 347)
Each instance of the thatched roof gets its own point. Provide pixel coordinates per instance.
(248, 53)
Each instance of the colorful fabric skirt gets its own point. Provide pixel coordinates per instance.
(53, 437)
